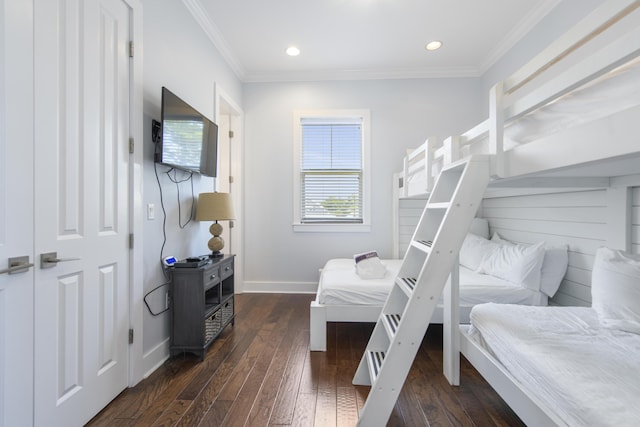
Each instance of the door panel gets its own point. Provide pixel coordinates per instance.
(16, 212)
(81, 193)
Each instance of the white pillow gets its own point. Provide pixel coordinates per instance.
(369, 266)
(615, 289)
(473, 250)
(554, 265)
(515, 263)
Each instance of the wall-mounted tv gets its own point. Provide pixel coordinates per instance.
(189, 139)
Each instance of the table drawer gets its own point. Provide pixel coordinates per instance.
(226, 270)
(211, 276)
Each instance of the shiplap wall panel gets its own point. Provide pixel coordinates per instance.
(635, 220)
(576, 218)
(409, 211)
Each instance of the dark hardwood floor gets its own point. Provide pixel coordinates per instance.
(260, 372)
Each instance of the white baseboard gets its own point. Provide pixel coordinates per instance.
(155, 357)
(280, 287)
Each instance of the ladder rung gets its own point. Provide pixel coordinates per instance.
(408, 282)
(438, 205)
(375, 358)
(393, 321)
(427, 243)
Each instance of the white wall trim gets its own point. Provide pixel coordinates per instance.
(224, 104)
(626, 181)
(136, 185)
(280, 287)
(155, 357)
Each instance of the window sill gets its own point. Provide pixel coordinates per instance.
(331, 228)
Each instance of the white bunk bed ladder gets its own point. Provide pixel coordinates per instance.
(428, 261)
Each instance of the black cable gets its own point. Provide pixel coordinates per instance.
(176, 181)
(147, 303)
(164, 212)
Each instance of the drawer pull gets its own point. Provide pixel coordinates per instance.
(213, 276)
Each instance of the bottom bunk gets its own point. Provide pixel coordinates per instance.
(566, 365)
(513, 274)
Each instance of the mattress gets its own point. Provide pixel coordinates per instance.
(339, 284)
(585, 374)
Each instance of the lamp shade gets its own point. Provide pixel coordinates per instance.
(214, 207)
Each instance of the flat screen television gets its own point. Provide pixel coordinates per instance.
(189, 139)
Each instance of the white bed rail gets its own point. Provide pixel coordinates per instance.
(600, 43)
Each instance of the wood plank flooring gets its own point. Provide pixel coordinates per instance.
(260, 372)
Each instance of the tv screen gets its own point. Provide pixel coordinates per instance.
(189, 139)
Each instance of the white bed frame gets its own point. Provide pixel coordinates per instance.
(523, 402)
(320, 314)
(511, 163)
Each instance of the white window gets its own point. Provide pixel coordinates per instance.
(331, 170)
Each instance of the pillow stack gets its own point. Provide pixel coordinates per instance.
(531, 266)
(615, 289)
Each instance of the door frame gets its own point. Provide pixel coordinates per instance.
(225, 105)
(136, 182)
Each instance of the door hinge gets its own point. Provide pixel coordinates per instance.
(230, 134)
(230, 179)
(130, 49)
(130, 336)
(131, 145)
(131, 241)
(231, 224)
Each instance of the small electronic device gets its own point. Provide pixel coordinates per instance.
(169, 261)
(192, 262)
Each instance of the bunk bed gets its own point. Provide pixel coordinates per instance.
(572, 107)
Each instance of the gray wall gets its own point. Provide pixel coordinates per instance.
(178, 55)
(403, 114)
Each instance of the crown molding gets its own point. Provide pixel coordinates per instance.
(361, 74)
(212, 32)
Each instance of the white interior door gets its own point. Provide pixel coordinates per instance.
(81, 207)
(16, 212)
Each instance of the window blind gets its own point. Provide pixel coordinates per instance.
(331, 171)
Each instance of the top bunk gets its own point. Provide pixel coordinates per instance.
(575, 103)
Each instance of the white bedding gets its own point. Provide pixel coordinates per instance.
(586, 374)
(339, 285)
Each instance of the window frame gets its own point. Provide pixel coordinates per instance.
(337, 116)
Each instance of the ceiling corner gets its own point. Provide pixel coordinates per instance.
(195, 8)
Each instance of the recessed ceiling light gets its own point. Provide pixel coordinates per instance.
(293, 51)
(434, 45)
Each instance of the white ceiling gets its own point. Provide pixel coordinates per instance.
(364, 39)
